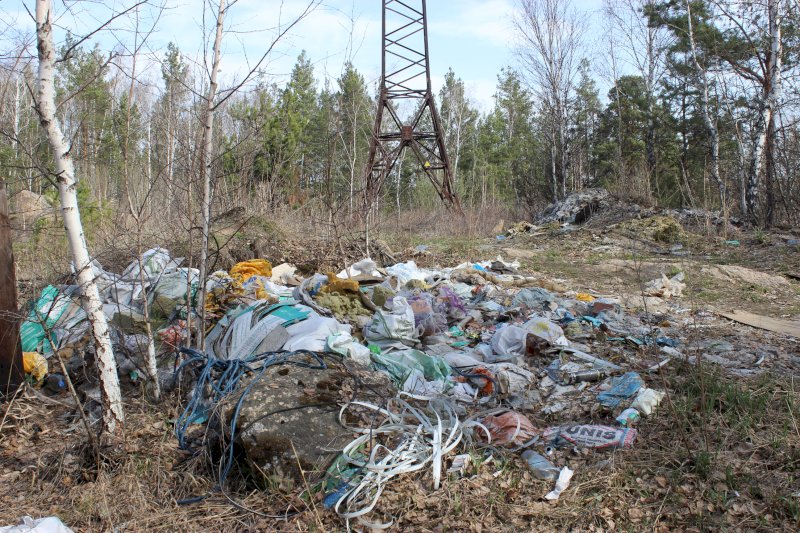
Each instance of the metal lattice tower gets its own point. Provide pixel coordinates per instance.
(405, 81)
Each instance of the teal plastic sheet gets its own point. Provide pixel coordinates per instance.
(403, 364)
(44, 314)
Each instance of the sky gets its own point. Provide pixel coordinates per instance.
(473, 37)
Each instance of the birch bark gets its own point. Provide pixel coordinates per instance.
(113, 415)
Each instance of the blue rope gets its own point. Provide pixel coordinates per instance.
(222, 377)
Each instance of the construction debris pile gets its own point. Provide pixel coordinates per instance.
(338, 383)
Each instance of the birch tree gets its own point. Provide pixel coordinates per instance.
(212, 102)
(113, 415)
(550, 41)
(765, 127)
(207, 158)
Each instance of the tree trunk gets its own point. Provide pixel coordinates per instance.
(769, 101)
(113, 415)
(711, 128)
(206, 164)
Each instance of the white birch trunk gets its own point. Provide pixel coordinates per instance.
(207, 161)
(113, 415)
(768, 104)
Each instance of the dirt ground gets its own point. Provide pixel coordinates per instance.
(722, 453)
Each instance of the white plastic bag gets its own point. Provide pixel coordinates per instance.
(50, 524)
(397, 325)
(405, 272)
(647, 401)
(544, 329)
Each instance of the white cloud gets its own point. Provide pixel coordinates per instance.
(489, 21)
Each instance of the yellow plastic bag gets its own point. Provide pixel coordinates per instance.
(583, 297)
(243, 271)
(34, 364)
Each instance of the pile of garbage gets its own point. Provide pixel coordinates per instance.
(372, 373)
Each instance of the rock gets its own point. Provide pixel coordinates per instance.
(27, 207)
(289, 419)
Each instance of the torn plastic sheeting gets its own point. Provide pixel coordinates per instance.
(621, 388)
(590, 436)
(534, 298)
(562, 483)
(50, 524)
(403, 364)
(344, 344)
(243, 271)
(312, 334)
(245, 331)
(405, 272)
(510, 428)
(154, 261)
(170, 290)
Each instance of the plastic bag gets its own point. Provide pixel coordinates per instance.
(51, 524)
(405, 272)
(393, 327)
(544, 329)
(510, 428)
(35, 364)
(509, 340)
(365, 267)
(535, 298)
(647, 401)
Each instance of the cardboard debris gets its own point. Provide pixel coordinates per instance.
(776, 325)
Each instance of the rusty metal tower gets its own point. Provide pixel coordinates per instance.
(405, 82)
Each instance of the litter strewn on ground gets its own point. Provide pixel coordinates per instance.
(359, 377)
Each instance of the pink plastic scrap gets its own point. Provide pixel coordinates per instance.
(510, 428)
